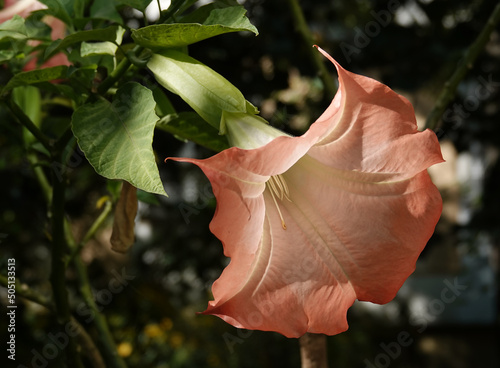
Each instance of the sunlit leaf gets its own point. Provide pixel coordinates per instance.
(117, 137)
(206, 91)
(223, 14)
(14, 28)
(97, 48)
(219, 21)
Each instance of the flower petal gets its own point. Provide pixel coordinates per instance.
(22, 8)
(374, 131)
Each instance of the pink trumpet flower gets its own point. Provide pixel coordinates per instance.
(312, 223)
(24, 8)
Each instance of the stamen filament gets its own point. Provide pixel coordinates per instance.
(283, 225)
(279, 188)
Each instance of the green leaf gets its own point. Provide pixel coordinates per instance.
(206, 91)
(97, 48)
(233, 17)
(105, 9)
(14, 28)
(117, 137)
(80, 82)
(112, 34)
(105, 61)
(136, 4)
(229, 16)
(190, 126)
(163, 104)
(147, 198)
(78, 8)
(37, 29)
(219, 21)
(60, 9)
(36, 76)
(6, 55)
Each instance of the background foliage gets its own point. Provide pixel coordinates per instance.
(166, 275)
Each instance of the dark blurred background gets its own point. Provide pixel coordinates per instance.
(445, 316)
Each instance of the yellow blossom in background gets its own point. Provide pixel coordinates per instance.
(125, 349)
(176, 339)
(166, 324)
(153, 330)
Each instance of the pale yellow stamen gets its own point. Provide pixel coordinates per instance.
(279, 189)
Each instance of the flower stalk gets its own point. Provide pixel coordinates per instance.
(313, 352)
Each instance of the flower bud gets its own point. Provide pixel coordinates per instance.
(247, 131)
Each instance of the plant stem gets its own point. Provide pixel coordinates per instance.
(99, 221)
(105, 336)
(24, 120)
(302, 27)
(24, 291)
(465, 64)
(118, 72)
(40, 176)
(57, 276)
(58, 269)
(313, 351)
(64, 231)
(85, 290)
(169, 13)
